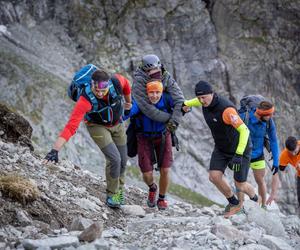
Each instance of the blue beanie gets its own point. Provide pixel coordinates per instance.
(203, 88)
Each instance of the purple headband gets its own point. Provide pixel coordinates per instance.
(101, 85)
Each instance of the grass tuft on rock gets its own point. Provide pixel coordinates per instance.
(18, 188)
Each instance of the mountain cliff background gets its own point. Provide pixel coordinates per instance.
(240, 46)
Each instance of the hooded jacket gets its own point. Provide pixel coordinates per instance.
(147, 125)
(170, 86)
(258, 130)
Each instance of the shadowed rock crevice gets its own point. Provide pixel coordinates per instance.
(14, 128)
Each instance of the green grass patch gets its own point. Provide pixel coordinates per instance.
(134, 172)
(258, 40)
(183, 193)
(189, 195)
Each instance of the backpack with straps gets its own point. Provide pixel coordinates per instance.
(247, 104)
(135, 127)
(82, 79)
(81, 85)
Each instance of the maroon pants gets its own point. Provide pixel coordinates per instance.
(145, 151)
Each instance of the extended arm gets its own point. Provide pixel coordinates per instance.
(243, 138)
(133, 111)
(275, 185)
(274, 143)
(80, 109)
(177, 97)
(231, 117)
(193, 102)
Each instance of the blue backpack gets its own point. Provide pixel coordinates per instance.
(83, 80)
(249, 103)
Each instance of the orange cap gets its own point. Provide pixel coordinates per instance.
(154, 86)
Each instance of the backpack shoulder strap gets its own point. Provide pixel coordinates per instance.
(92, 98)
(166, 98)
(247, 115)
(115, 87)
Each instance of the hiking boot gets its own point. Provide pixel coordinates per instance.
(231, 209)
(113, 201)
(151, 198)
(162, 204)
(264, 207)
(121, 197)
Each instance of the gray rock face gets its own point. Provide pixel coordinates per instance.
(242, 47)
(47, 222)
(267, 220)
(254, 247)
(51, 243)
(258, 43)
(275, 243)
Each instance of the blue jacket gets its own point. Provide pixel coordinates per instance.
(258, 130)
(148, 125)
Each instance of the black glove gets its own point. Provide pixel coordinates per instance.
(282, 168)
(274, 170)
(172, 125)
(236, 163)
(182, 110)
(52, 156)
(127, 112)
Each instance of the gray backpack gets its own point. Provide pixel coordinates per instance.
(248, 103)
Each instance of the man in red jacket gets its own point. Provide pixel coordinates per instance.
(105, 126)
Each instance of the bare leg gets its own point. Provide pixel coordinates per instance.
(148, 178)
(217, 178)
(163, 181)
(259, 175)
(241, 197)
(246, 188)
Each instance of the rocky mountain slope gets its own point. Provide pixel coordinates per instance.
(62, 207)
(241, 47)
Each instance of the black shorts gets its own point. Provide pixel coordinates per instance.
(219, 161)
(260, 158)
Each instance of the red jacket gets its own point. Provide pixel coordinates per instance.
(83, 106)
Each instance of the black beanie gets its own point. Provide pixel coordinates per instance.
(203, 88)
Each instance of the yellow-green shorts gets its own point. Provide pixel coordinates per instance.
(258, 164)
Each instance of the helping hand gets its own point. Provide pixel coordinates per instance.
(270, 199)
(127, 108)
(274, 170)
(127, 105)
(172, 125)
(185, 109)
(236, 163)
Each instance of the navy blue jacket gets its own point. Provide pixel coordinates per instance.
(148, 125)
